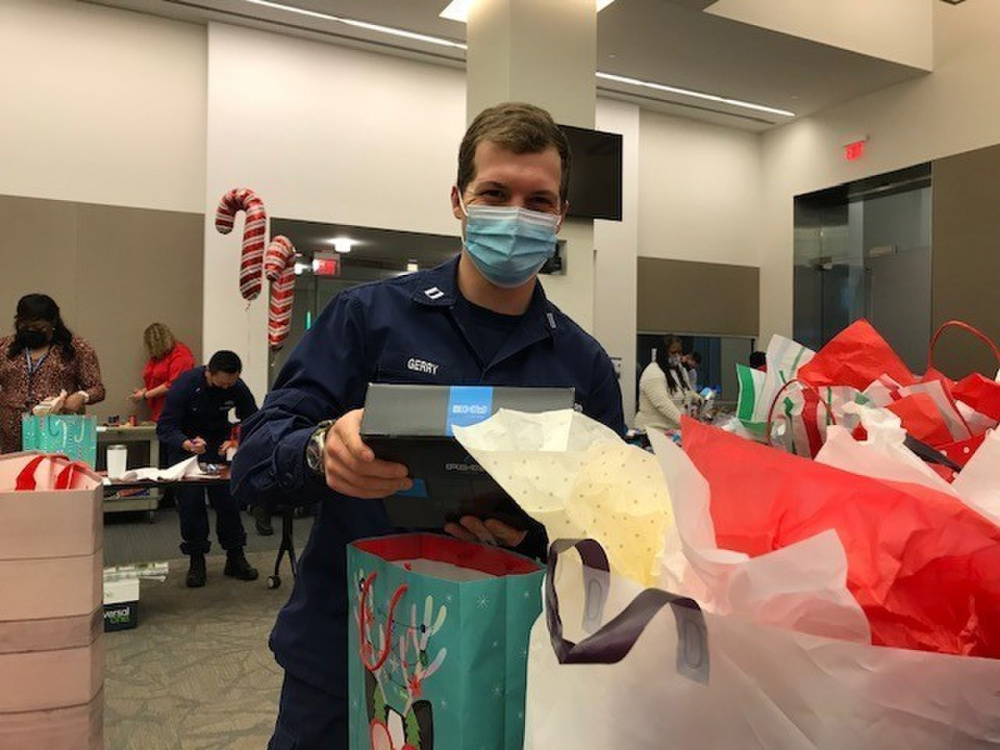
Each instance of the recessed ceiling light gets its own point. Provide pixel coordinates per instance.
(343, 244)
(393, 31)
(694, 94)
(411, 266)
(458, 10)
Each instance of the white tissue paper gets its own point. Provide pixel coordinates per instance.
(802, 587)
(186, 469)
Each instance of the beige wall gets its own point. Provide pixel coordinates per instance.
(112, 271)
(101, 106)
(699, 191)
(953, 110)
(896, 30)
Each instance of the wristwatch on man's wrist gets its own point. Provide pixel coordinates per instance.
(316, 447)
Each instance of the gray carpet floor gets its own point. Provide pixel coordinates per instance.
(196, 674)
(130, 538)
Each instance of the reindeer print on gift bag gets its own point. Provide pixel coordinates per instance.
(398, 667)
(438, 643)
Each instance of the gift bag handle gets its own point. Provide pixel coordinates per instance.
(929, 453)
(612, 642)
(777, 397)
(26, 477)
(64, 480)
(55, 427)
(365, 647)
(965, 327)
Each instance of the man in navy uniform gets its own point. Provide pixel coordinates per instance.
(195, 422)
(480, 319)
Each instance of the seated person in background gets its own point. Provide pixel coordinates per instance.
(195, 422)
(664, 390)
(758, 361)
(168, 358)
(43, 361)
(691, 361)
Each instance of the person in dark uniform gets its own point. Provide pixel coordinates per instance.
(195, 421)
(481, 318)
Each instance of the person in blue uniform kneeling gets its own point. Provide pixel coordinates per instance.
(195, 421)
(479, 319)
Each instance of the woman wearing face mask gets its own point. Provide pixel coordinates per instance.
(40, 361)
(664, 389)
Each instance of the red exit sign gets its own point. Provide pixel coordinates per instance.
(326, 265)
(854, 151)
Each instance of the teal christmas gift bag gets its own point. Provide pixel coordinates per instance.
(438, 643)
(72, 435)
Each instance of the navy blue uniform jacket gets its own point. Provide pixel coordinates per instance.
(196, 409)
(386, 332)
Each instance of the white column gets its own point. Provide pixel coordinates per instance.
(543, 52)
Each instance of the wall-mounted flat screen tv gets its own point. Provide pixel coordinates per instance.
(595, 182)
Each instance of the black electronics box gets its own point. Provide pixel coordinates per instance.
(412, 425)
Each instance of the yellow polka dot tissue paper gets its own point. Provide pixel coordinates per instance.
(579, 479)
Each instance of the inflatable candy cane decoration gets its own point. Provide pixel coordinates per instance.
(279, 268)
(252, 261)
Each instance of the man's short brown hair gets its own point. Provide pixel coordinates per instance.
(517, 127)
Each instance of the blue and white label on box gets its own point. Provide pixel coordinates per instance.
(468, 404)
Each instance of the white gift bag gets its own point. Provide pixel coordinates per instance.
(652, 670)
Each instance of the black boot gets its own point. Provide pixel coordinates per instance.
(238, 567)
(196, 573)
(262, 519)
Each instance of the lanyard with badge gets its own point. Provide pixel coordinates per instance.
(33, 367)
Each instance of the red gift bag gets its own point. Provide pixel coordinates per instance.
(933, 373)
(981, 393)
(921, 418)
(924, 567)
(857, 356)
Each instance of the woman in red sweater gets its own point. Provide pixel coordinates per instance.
(168, 358)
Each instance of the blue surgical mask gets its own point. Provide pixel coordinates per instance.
(509, 244)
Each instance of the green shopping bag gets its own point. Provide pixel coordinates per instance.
(439, 643)
(72, 435)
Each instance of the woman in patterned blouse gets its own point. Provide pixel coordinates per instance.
(39, 361)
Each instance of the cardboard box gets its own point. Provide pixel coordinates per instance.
(412, 424)
(121, 604)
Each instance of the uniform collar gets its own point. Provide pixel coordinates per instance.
(438, 287)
